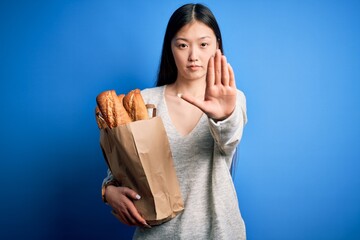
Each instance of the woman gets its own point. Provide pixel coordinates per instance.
(204, 115)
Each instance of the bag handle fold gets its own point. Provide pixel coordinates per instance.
(153, 107)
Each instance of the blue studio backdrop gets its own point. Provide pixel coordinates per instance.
(298, 63)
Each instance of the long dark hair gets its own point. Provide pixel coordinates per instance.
(185, 14)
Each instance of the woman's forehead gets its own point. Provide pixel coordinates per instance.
(195, 30)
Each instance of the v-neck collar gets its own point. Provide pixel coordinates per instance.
(168, 118)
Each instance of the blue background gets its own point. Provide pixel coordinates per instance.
(298, 63)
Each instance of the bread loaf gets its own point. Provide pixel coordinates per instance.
(135, 105)
(123, 115)
(112, 109)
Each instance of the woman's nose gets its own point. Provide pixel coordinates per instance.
(193, 55)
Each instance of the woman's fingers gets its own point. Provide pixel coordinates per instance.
(121, 200)
(122, 218)
(217, 63)
(220, 92)
(224, 71)
(132, 213)
(232, 82)
(210, 75)
(136, 217)
(126, 218)
(131, 193)
(218, 70)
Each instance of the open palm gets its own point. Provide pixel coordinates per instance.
(220, 93)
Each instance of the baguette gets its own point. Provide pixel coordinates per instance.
(135, 105)
(123, 115)
(112, 109)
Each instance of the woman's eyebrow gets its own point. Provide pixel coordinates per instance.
(181, 39)
(185, 39)
(205, 37)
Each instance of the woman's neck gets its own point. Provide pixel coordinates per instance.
(194, 88)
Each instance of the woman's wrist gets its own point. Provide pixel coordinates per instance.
(104, 187)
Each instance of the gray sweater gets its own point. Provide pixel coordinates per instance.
(202, 160)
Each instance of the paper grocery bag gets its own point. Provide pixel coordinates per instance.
(139, 157)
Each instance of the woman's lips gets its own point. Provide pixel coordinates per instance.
(194, 67)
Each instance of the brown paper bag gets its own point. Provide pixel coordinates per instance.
(139, 157)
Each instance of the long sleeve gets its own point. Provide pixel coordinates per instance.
(108, 178)
(227, 133)
(202, 167)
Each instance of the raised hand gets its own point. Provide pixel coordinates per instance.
(220, 93)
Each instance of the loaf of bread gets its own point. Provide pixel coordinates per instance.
(112, 110)
(123, 115)
(135, 105)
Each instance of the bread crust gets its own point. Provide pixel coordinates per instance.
(123, 116)
(113, 110)
(106, 105)
(135, 105)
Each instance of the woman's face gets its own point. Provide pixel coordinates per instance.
(192, 47)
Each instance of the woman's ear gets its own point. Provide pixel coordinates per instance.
(217, 44)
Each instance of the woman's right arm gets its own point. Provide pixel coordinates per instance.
(121, 201)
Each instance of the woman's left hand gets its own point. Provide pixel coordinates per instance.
(220, 93)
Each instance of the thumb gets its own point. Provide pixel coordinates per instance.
(192, 100)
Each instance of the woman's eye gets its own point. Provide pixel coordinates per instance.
(182, 45)
(204, 44)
